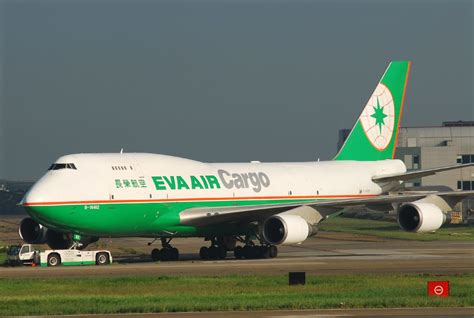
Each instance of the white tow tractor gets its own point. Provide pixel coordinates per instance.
(22, 255)
(26, 254)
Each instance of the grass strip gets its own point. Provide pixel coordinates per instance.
(46, 296)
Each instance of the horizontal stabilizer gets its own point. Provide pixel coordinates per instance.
(417, 174)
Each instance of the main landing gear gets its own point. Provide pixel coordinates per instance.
(217, 250)
(255, 251)
(166, 253)
(220, 246)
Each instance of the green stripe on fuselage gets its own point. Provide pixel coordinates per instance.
(136, 219)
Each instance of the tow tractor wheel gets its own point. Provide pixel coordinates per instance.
(102, 259)
(54, 260)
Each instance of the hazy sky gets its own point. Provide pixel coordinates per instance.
(217, 80)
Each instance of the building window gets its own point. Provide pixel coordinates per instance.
(466, 185)
(465, 159)
(416, 162)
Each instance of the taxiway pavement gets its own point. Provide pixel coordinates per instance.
(326, 254)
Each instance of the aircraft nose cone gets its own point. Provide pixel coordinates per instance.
(35, 195)
(33, 203)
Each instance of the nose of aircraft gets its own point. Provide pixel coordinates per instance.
(30, 201)
(35, 203)
(35, 195)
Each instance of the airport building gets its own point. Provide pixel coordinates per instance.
(430, 147)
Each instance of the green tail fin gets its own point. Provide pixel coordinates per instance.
(374, 135)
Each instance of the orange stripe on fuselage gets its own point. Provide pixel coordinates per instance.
(346, 196)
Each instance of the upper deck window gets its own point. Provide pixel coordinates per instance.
(57, 166)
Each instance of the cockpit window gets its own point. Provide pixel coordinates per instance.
(57, 166)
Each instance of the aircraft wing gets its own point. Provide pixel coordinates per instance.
(418, 173)
(205, 216)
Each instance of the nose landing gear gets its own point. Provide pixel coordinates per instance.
(166, 253)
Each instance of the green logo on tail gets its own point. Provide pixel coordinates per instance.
(379, 116)
(374, 135)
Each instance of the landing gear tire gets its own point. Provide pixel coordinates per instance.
(213, 252)
(265, 252)
(218, 249)
(221, 252)
(248, 251)
(174, 253)
(169, 254)
(255, 252)
(273, 251)
(238, 252)
(204, 253)
(165, 254)
(155, 255)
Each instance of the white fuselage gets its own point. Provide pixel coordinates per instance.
(142, 176)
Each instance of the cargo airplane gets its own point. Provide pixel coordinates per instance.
(247, 208)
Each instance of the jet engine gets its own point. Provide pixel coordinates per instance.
(286, 229)
(420, 216)
(34, 233)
